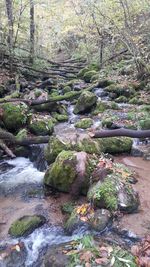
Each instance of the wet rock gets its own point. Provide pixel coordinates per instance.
(126, 90)
(41, 125)
(14, 116)
(60, 117)
(70, 172)
(26, 225)
(56, 257)
(96, 220)
(100, 108)
(85, 102)
(114, 192)
(4, 167)
(13, 255)
(84, 123)
(115, 145)
(88, 75)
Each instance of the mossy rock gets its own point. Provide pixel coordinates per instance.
(26, 225)
(107, 123)
(68, 207)
(96, 220)
(66, 89)
(115, 145)
(104, 83)
(88, 75)
(121, 99)
(121, 90)
(37, 92)
(135, 101)
(60, 117)
(100, 108)
(95, 78)
(14, 116)
(114, 193)
(85, 102)
(54, 147)
(82, 72)
(22, 134)
(114, 106)
(84, 123)
(41, 126)
(63, 174)
(88, 145)
(145, 124)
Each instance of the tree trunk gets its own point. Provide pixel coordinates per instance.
(9, 9)
(121, 132)
(32, 31)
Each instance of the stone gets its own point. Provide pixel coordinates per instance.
(88, 75)
(14, 116)
(84, 123)
(40, 125)
(85, 102)
(26, 225)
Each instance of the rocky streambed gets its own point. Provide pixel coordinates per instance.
(55, 198)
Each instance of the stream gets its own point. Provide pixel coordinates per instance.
(22, 193)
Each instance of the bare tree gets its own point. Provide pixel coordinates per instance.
(32, 31)
(9, 9)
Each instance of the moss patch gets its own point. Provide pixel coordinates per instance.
(84, 123)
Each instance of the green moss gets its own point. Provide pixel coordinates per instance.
(66, 89)
(41, 126)
(26, 225)
(121, 90)
(115, 145)
(121, 99)
(88, 75)
(135, 101)
(68, 207)
(60, 117)
(114, 106)
(22, 134)
(14, 116)
(84, 123)
(37, 92)
(145, 124)
(62, 172)
(95, 78)
(100, 108)
(55, 146)
(104, 83)
(107, 123)
(85, 102)
(105, 193)
(82, 72)
(88, 145)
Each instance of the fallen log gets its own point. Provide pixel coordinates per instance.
(66, 96)
(6, 149)
(121, 132)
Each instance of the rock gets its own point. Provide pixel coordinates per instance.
(104, 83)
(135, 101)
(85, 102)
(89, 218)
(70, 172)
(26, 225)
(13, 255)
(100, 107)
(60, 117)
(115, 145)
(14, 116)
(84, 123)
(82, 72)
(2, 90)
(66, 89)
(57, 144)
(114, 192)
(41, 125)
(126, 90)
(121, 99)
(56, 257)
(145, 124)
(88, 75)
(22, 134)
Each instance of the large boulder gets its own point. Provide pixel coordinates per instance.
(14, 116)
(26, 225)
(41, 125)
(85, 102)
(114, 191)
(70, 172)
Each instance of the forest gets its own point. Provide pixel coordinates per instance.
(74, 133)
